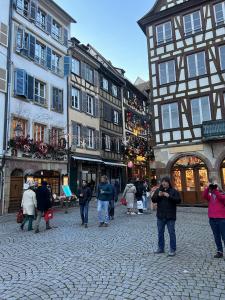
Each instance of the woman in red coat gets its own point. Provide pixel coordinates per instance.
(216, 213)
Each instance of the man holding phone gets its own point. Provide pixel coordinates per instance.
(167, 199)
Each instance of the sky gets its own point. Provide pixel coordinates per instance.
(111, 27)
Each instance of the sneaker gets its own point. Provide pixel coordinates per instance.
(133, 213)
(218, 255)
(48, 227)
(129, 213)
(171, 253)
(140, 213)
(85, 225)
(36, 231)
(101, 224)
(106, 225)
(159, 251)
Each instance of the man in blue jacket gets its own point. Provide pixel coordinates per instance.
(104, 195)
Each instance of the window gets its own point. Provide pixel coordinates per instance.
(115, 117)
(56, 134)
(196, 64)
(23, 7)
(192, 23)
(114, 90)
(40, 92)
(222, 57)
(105, 84)
(23, 125)
(219, 10)
(55, 63)
(164, 33)
(167, 72)
(107, 143)
(170, 116)
(90, 105)
(90, 141)
(200, 109)
(57, 101)
(89, 74)
(39, 132)
(56, 30)
(75, 66)
(76, 131)
(41, 18)
(75, 98)
(40, 51)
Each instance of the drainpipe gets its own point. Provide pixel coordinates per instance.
(7, 105)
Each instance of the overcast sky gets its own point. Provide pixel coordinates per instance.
(111, 27)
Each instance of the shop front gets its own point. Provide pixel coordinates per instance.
(190, 176)
(115, 171)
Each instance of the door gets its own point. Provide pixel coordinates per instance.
(16, 191)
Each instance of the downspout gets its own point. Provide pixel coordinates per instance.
(7, 105)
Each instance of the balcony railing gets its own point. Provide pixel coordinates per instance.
(213, 130)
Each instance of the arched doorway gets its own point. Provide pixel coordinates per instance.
(223, 174)
(16, 190)
(190, 176)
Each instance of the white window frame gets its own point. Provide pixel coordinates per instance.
(171, 126)
(115, 117)
(75, 66)
(164, 25)
(114, 90)
(90, 105)
(38, 134)
(223, 10)
(196, 64)
(105, 84)
(55, 62)
(193, 30)
(167, 72)
(201, 113)
(74, 97)
(89, 74)
(56, 30)
(222, 64)
(56, 134)
(107, 143)
(37, 96)
(21, 7)
(40, 53)
(39, 19)
(90, 138)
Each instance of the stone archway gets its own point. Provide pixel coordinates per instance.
(16, 190)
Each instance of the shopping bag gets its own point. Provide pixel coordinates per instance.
(139, 204)
(20, 216)
(48, 215)
(123, 201)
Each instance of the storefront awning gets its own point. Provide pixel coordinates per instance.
(114, 164)
(87, 159)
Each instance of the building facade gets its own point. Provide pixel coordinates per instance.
(38, 98)
(186, 49)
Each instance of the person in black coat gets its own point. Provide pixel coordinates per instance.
(139, 193)
(43, 196)
(84, 194)
(167, 199)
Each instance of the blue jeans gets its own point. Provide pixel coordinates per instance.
(103, 211)
(84, 212)
(145, 202)
(161, 224)
(218, 229)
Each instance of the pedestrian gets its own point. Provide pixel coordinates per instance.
(43, 204)
(129, 195)
(145, 196)
(29, 204)
(139, 194)
(216, 213)
(167, 199)
(112, 203)
(104, 195)
(154, 187)
(84, 196)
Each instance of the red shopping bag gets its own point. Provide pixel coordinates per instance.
(20, 216)
(48, 215)
(123, 201)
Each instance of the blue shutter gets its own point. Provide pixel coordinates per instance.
(83, 70)
(49, 58)
(20, 84)
(96, 107)
(67, 65)
(32, 42)
(84, 102)
(49, 24)
(96, 78)
(30, 87)
(65, 37)
(60, 99)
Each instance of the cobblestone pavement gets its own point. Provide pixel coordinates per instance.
(71, 262)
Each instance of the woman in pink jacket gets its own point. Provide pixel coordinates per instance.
(216, 213)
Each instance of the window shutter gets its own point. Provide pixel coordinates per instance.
(74, 133)
(119, 92)
(109, 113)
(30, 87)
(103, 141)
(101, 81)
(112, 115)
(49, 58)
(113, 148)
(96, 78)
(84, 101)
(85, 135)
(20, 87)
(67, 65)
(4, 34)
(3, 80)
(65, 37)
(60, 99)
(49, 24)
(19, 39)
(96, 107)
(110, 88)
(83, 70)
(32, 42)
(96, 140)
(33, 10)
(120, 119)
(105, 111)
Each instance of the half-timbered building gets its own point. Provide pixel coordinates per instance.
(186, 50)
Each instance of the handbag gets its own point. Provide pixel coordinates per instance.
(139, 204)
(123, 201)
(20, 216)
(48, 215)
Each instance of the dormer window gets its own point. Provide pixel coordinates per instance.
(164, 33)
